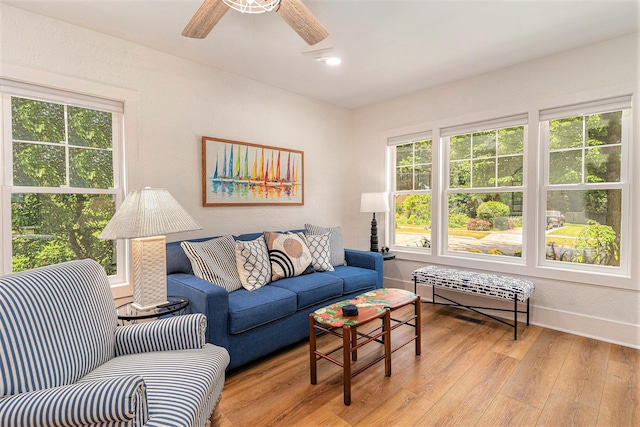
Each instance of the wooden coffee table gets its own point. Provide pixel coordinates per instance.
(330, 319)
(375, 304)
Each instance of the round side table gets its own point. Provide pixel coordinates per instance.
(175, 305)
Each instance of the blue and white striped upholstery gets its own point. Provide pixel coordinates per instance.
(188, 333)
(58, 366)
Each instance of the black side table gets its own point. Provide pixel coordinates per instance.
(388, 256)
(175, 305)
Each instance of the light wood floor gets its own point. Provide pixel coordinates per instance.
(469, 374)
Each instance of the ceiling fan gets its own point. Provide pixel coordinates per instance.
(294, 13)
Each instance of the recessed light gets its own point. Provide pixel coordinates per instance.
(333, 61)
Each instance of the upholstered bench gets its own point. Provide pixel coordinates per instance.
(483, 284)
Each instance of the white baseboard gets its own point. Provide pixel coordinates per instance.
(606, 330)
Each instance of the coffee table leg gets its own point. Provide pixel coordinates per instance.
(312, 350)
(346, 359)
(418, 321)
(387, 342)
(354, 342)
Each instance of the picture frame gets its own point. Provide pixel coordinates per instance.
(236, 173)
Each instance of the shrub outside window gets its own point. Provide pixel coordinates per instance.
(585, 188)
(485, 192)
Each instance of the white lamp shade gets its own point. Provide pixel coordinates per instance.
(148, 212)
(374, 202)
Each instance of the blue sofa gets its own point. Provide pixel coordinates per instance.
(254, 324)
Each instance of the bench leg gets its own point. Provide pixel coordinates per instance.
(312, 351)
(528, 311)
(515, 317)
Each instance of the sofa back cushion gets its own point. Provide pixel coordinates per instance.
(58, 324)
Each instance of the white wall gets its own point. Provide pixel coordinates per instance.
(604, 307)
(179, 102)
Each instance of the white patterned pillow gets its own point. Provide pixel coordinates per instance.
(289, 254)
(215, 261)
(335, 242)
(320, 251)
(253, 264)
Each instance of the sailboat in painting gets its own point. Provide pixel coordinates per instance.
(255, 173)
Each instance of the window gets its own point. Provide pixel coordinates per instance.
(585, 184)
(413, 171)
(60, 154)
(485, 187)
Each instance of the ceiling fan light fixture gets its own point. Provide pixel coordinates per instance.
(333, 61)
(252, 6)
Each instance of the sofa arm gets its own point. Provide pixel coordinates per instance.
(109, 401)
(206, 298)
(366, 259)
(168, 334)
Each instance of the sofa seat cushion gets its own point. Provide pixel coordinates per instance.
(312, 288)
(178, 383)
(248, 310)
(355, 278)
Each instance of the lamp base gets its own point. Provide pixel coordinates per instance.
(374, 234)
(148, 270)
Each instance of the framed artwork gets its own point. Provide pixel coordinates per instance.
(239, 173)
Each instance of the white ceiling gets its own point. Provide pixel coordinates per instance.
(389, 47)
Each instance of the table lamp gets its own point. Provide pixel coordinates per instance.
(145, 217)
(374, 202)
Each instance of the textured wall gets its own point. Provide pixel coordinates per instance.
(601, 306)
(179, 102)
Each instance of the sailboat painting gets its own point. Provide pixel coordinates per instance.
(240, 173)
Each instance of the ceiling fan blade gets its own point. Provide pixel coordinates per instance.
(302, 21)
(205, 19)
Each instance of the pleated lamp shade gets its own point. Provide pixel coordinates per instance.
(146, 216)
(148, 212)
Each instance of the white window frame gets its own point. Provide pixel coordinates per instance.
(620, 103)
(446, 133)
(392, 143)
(125, 151)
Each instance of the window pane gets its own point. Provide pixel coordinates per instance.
(52, 228)
(422, 152)
(404, 155)
(37, 121)
(38, 165)
(583, 226)
(404, 178)
(413, 220)
(90, 128)
(460, 174)
(565, 133)
(484, 172)
(603, 164)
(460, 147)
(565, 167)
(484, 144)
(511, 140)
(510, 171)
(604, 128)
(489, 223)
(423, 177)
(91, 168)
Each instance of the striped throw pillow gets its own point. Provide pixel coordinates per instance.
(215, 261)
(335, 242)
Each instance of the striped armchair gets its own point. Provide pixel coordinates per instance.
(65, 362)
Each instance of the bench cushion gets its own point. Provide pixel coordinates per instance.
(492, 285)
